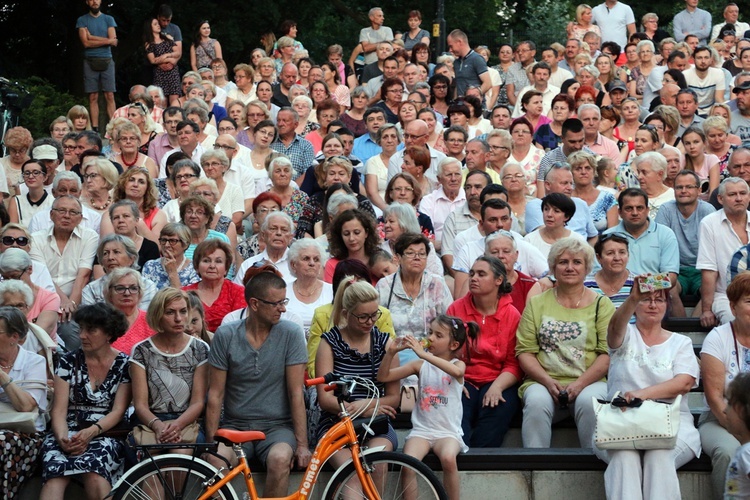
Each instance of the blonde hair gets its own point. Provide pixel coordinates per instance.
(350, 294)
(159, 303)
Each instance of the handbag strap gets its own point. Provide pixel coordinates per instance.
(393, 283)
(596, 311)
(736, 347)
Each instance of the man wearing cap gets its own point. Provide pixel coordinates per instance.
(50, 157)
(741, 118)
(617, 93)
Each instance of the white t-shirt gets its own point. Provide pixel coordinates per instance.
(719, 343)
(613, 21)
(535, 238)
(705, 87)
(306, 311)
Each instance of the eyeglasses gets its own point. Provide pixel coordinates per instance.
(283, 302)
(366, 318)
(199, 213)
(127, 139)
(392, 91)
(184, 177)
(224, 147)
(64, 211)
(170, 241)
(687, 187)
(658, 301)
(226, 130)
(413, 137)
(201, 193)
(521, 131)
(402, 189)
(496, 148)
(88, 177)
(21, 241)
(32, 173)
(123, 290)
(68, 147)
(415, 255)
(514, 177)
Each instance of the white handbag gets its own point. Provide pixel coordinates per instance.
(651, 426)
(21, 421)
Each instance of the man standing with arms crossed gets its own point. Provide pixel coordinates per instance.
(97, 34)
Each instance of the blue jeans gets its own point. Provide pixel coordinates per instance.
(484, 426)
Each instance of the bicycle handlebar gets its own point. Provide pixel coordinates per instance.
(325, 379)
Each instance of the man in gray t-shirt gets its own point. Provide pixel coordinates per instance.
(257, 373)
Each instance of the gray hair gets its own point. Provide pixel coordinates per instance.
(655, 160)
(496, 236)
(126, 243)
(717, 122)
(590, 68)
(558, 165)
(16, 286)
(481, 142)
(15, 320)
(586, 107)
(507, 165)
(125, 203)
(280, 161)
(383, 128)
(215, 154)
(731, 180)
(297, 86)
(113, 278)
(205, 181)
(177, 229)
(358, 91)
(337, 200)
(574, 246)
(278, 215)
(373, 11)
(186, 163)
(645, 43)
(14, 259)
(66, 175)
(405, 215)
(155, 88)
(445, 162)
(296, 248)
(303, 98)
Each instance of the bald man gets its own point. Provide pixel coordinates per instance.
(416, 134)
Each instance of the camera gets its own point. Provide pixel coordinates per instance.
(562, 400)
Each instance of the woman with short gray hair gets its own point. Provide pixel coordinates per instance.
(354, 118)
(307, 292)
(116, 251)
(400, 219)
(651, 169)
(639, 74)
(123, 288)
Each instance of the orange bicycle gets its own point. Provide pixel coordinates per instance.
(185, 477)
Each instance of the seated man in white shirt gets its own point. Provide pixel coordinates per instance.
(66, 183)
(16, 236)
(68, 250)
(448, 198)
(495, 215)
(277, 231)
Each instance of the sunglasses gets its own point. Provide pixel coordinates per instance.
(22, 241)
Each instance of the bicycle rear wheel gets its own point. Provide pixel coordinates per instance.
(397, 476)
(170, 478)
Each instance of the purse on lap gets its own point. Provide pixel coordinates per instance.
(644, 425)
(142, 435)
(21, 421)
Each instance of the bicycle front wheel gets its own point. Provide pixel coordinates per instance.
(396, 476)
(171, 478)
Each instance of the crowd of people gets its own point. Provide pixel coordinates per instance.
(471, 237)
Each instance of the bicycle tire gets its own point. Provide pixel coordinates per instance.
(141, 486)
(426, 483)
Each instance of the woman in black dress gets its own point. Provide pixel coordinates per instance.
(159, 51)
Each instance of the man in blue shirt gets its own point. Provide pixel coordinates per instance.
(692, 21)
(97, 34)
(366, 146)
(653, 247)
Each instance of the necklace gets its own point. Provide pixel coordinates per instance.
(312, 292)
(577, 303)
(104, 206)
(612, 289)
(8, 367)
(126, 163)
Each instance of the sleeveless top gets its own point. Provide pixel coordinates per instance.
(149, 219)
(438, 410)
(205, 52)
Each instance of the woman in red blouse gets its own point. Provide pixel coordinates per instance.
(492, 372)
(212, 260)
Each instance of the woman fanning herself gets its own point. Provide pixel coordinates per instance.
(436, 427)
(355, 346)
(649, 362)
(490, 394)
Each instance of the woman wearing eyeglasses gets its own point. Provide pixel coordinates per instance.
(391, 93)
(172, 268)
(230, 200)
(128, 139)
(123, 289)
(116, 251)
(639, 74)
(649, 363)
(23, 207)
(212, 261)
(414, 294)
(355, 346)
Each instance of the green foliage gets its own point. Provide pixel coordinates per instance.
(49, 103)
(546, 21)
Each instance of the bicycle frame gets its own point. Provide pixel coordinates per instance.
(341, 435)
